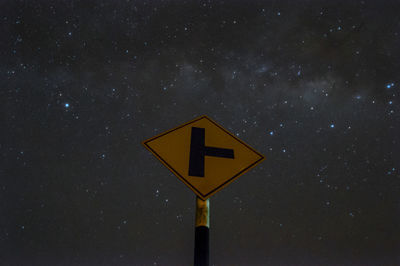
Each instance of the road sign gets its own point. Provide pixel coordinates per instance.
(203, 155)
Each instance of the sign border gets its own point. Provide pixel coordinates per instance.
(212, 192)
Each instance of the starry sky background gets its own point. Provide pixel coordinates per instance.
(312, 85)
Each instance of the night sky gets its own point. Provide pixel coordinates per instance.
(312, 85)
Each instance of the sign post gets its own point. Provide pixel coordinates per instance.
(207, 158)
(202, 233)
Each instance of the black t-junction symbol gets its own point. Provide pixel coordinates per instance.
(198, 150)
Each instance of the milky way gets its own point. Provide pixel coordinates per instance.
(312, 85)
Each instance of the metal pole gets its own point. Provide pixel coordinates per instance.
(202, 233)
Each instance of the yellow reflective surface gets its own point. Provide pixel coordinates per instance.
(202, 212)
(172, 148)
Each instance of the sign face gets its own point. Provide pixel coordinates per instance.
(203, 155)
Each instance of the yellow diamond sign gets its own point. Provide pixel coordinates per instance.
(203, 155)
